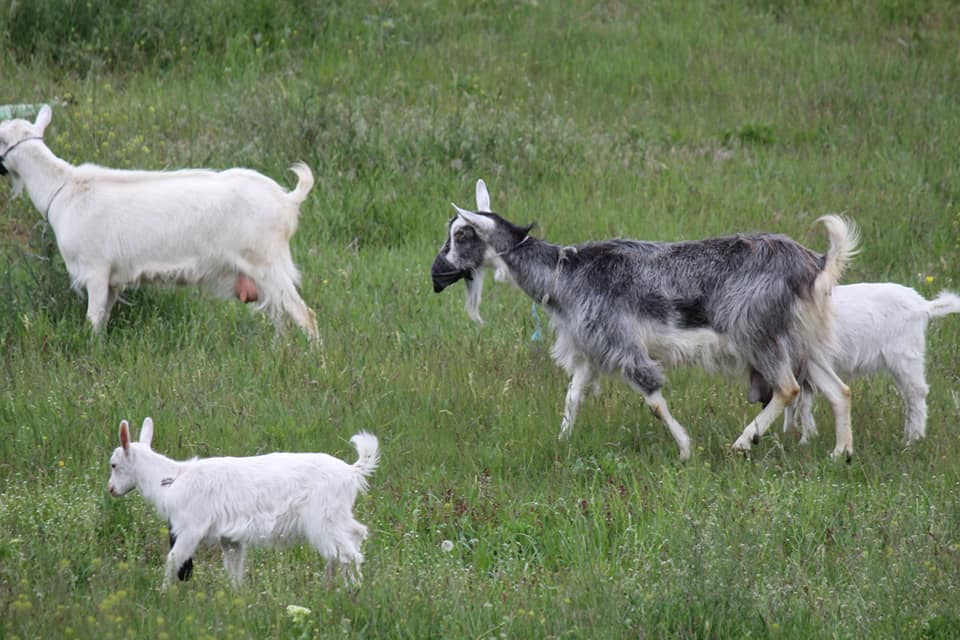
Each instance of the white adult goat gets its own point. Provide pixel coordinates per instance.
(260, 500)
(228, 231)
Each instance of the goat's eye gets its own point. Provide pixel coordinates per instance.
(462, 234)
(113, 465)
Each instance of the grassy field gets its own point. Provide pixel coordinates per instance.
(653, 120)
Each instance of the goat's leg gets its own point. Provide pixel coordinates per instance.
(647, 379)
(185, 572)
(759, 425)
(658, 406)
(99, 301)
(838, 394)
(909, 376)
(804, 407)
(582, 374)
(183, 548)
(234, 554)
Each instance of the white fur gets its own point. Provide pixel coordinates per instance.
(881, 327)
(116, 229)
(259, 500)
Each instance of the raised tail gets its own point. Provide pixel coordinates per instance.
(368, 452)
(304, 182)
(944, 304)
(844, 237)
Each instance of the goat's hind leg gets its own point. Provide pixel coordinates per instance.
(838, 394)
(785, 391)
(234, 554)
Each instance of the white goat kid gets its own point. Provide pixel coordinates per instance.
(260, 500)
(228, 231)
(881, 326)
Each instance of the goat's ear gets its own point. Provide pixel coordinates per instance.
(483, 224)
(146, 432)
(43, 119)
(483, 198)
(124, 435)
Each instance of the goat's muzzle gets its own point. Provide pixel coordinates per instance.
(444, 273)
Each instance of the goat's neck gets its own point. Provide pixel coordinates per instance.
(535, 266)
(155, 472)
(42, 173)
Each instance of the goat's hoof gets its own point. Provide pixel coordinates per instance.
(741, 446)
(845, 454)
(755, 439)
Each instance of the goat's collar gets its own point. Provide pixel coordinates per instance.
(46, 213)
(3, 169)
(20, 142)
(514, 247)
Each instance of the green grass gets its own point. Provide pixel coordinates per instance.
(649, 120)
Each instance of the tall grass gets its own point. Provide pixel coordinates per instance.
(649, 120)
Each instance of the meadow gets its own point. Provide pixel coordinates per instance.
(652, 120)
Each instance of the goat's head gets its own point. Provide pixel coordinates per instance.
(123, 461)
(475, 240)
(15, 132)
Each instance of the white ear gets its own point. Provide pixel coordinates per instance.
(483, 224)
(43, 119)
(146, 431)
(483, 198)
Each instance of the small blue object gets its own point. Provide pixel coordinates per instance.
(538, 330)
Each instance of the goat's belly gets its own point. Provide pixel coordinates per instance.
(691, 347)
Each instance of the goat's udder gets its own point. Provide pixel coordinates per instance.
(245, 289)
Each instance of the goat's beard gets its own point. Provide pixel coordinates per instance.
(474, 291)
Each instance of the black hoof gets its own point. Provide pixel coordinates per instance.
(186, 571)
(849, 457)
(756, 438)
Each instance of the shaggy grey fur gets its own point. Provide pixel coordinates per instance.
(746, 302)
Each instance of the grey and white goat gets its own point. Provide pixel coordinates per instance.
(757, 303)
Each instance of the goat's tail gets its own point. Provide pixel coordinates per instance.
(304, 182)
(368, 452)
(844, 237)
(944, 304)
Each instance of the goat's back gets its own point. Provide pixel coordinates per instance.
(263, 499)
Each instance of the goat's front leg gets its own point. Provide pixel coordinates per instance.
(185, 572)
(100, 299)
(183, 548)
(647, 379)
(582, 374)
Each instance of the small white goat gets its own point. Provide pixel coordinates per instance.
(259, 500)
(881, 326)
(228, 231)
